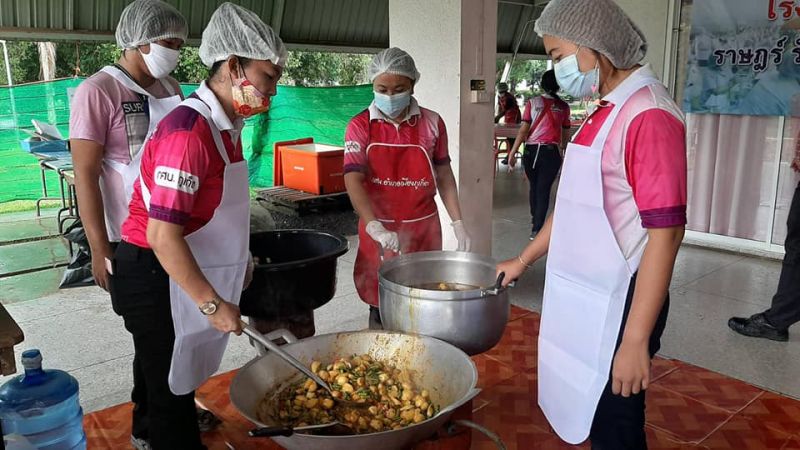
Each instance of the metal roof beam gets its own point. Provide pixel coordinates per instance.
(278, 8)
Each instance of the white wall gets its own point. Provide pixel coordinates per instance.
(652, 17)
(453, 42)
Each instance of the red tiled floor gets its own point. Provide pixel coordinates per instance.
(659, 440)
(527, 438)
(744, 433)
(663, 367)
(517, 348)
(517, 312)
(776, 412)
(512, 413)
(710, 388)
(687, 420)
(491, 371)
(793, 444)
(111, 428)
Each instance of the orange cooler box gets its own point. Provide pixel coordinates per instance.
(313, 168)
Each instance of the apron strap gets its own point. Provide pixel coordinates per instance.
(619, 98)
(199, 106)
(168, 87)
(125, 80)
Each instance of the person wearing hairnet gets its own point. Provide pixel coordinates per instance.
(113, 112)
(396, 159)
(618, 224)
(183, 261)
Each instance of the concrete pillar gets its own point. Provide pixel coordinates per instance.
(654, 18)
(454, 42)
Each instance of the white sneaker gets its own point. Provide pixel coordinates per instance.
(140, 444)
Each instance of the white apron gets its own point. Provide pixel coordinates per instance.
(221, 250)
(586, 285)
(117, 211)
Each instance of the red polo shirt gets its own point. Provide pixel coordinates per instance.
(183, 170)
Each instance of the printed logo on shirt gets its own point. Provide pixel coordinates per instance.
(178, 180)
(133, 107)
(352, 147)
(137, 123)
(401, 183)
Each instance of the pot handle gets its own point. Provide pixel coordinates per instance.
(382, 252)
(492, 436)
(282, 333)
(271, 431)
(498, 286)
(452, 407)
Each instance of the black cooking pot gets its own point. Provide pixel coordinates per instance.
(296, 272)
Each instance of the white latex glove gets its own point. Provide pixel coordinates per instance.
(464, 241)
(248, 274)
(387, 239)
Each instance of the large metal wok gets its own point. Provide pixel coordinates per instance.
(448, 373)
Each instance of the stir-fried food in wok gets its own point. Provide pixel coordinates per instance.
(389, 398)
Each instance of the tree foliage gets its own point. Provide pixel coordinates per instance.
(84, 59)
(530, 71)
(24, 59)
(325, 69)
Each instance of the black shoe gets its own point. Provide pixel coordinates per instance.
(206, 420)
(504, 162)
(758, 326)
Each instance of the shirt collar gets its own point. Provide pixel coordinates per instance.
(376, 114)
(218, 115)
(616, 95)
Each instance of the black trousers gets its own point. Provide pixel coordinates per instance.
(618, 421)
(140, 294)
(541, 171)
(785, 310)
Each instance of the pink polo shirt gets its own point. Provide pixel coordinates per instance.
(424, 123)
(644, 185)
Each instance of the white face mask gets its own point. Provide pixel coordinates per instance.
(161, 60)
(573, 81)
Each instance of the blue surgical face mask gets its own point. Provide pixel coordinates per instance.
(392, 105)
(574, 82)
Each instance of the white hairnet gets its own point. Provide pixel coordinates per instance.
(233, 30)
(146, 21)
(395, 61)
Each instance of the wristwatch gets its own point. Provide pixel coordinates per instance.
(209, 308)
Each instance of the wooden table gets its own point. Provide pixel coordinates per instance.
(10, 335)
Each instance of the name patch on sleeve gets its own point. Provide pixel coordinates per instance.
(178, 180)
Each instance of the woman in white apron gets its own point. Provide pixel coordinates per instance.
(612, 241)
(183, 261)
(113, 112)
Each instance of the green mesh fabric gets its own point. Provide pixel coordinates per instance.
(296, 112)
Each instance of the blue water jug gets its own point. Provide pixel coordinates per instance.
(42, 406)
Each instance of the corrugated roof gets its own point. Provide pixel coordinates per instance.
(345, 25)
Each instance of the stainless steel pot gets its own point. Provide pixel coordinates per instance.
(472, 320)
(447, 372)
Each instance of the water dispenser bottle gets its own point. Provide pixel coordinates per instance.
(42, 406)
